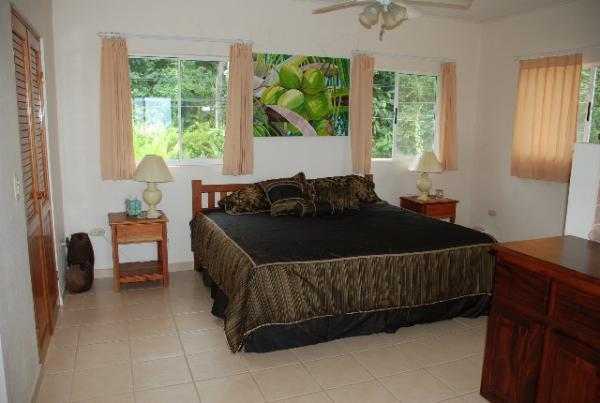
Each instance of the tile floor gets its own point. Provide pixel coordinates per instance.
(149, 344)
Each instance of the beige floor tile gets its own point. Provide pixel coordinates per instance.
(188, 278)
(338, 371)
(102, 285)
(189, 305)
(197, 321)
(69, 318)
(125, 398)
(60, 360)
(97, 355)
(204, 340)
(258, 361)
(443, 326)
(152, 327)
(158, 373)
(232, 389)
(405, 334)
(430, 350)
(65, 337)
(149, 309)
(480, 330)
(215, 364)
(74, 301)
(371, 392)
(174, 293)
(417, 387)
(474, 397)
(454, 400)
(171, 394)
(91, 334)
(360, 343)
(156, 347)
(106, 314)
(386, 361)
(473, 322)
(320, 397)
(102, 299)
(462, 376)
(55, 388)
(463, 342)
(148, 296)
(319, 351)
(284, 382)
(103, 381)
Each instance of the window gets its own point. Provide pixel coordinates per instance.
(179, 108)
(588, 120)
(404, 114)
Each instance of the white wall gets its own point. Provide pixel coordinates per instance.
(525, 208)
(19, 344)
(274, 26)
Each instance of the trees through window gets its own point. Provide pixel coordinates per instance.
(588, 120)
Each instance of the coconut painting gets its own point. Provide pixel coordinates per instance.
(300, 95)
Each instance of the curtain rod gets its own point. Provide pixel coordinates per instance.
(555, 52)
(124, 35)
(401, 56)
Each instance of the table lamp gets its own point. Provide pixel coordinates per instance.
(425, 163)
(152, 170)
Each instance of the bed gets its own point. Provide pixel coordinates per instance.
(282, 282)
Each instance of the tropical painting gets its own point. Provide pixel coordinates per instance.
(300, 95)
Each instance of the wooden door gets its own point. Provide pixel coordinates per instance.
(512, 358)
(38, 209)
(571, 372)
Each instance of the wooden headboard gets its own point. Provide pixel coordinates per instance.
(199, 190)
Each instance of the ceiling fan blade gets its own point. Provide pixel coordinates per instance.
(439, 3)
(341, 6)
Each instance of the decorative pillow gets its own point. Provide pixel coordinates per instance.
(286, 206)
(299, 179)
(282, 189)
(336, 192)
(303, 207)
(249, 200)
(363, 188)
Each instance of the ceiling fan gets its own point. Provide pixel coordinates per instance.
(392, 11)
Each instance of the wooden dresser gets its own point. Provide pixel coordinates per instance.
(543, 337)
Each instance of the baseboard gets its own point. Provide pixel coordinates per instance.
(173, 267)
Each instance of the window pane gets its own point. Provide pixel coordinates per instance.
(595, 130)
(584, 88)
(155, 107)
(383, 114)
(204, 102)
(416, 114)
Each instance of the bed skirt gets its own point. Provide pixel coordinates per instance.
(319, 330)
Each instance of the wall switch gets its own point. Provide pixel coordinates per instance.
(17, 187)
(492, 213)
(97, 232)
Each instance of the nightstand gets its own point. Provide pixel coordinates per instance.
(130, 230)
(435, 208)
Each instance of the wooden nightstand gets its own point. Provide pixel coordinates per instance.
(128, 230)
(435, 208)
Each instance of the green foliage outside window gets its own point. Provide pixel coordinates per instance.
(587, 76)
(404, 107)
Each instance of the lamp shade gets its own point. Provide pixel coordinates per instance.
(152, 169)
(426, 162)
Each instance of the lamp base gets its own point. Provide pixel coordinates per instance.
(153, 215)
(424, 186)
(152, 196)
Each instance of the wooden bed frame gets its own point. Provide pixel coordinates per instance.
(199, 189)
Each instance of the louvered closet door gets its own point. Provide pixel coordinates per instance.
(38, 211)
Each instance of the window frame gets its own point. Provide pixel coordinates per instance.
(435, 147)
(202, 58)
(587, 129)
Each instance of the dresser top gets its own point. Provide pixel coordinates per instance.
(566, 252)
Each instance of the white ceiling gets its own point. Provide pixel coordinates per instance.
(480, 10)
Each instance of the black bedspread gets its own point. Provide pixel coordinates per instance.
(377, 229)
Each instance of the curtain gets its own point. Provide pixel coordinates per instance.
(361, 113)
(546, 117)
(117, 159)
(448, 152)
(238, 157)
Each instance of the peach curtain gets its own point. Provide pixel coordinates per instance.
(546, 117)
(448, 151)
(361, 113)
(117, 158)
(238, 157)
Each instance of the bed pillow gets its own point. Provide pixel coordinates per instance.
(282, 189)
(303, 207)
(248, 200)
(362, 188)
(336, 192)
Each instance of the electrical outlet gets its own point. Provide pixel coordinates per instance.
(97, 232)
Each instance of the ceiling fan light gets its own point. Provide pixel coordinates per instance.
(393, 16)
(365, 20)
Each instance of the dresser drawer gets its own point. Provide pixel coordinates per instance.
(521, 288)
(440, 210)
(578, 311)
(137, 233)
